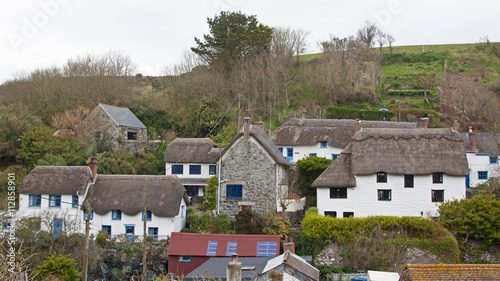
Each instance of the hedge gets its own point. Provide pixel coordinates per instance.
(334, 112)
(408, 93)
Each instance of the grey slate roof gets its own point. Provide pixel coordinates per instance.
(337, 132)
(122, 116)
(63, 180)
(192, 150)
(216, 268)
(486, 143)
(298, 264)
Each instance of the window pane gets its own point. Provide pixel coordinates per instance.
(338, 192)
(348, 214)
(195, 169)
(437, 195)
(437, 178)
(266, 249)
(234, 191)
(177, 169)
(482, 175)
(212, 248)
(381, 177)
(231, 248)
(408, 180)
(331, 214)
(384, 195)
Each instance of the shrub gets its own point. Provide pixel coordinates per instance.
(60, 267)
(275, 224)
(101, 238)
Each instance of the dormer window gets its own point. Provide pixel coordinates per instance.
(323, 144)
(381, 177)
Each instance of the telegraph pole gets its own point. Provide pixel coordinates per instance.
(144, 219)
(87, 234)
(238, 95)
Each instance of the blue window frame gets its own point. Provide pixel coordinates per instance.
(467, 181)
(35, 200)
(149, 215)
(212, 169)
(231, 248)
(266, 249)
(54, 200)
(177, 169)
(335, 156)
(195, 169)
(234, 191)
(184, 258)
(212, 248)
(493, 159)
(107, 229)
(191, 190)
(74, 201)
(153, 231)
(280, 149)
(323, 144)
(6, 225)
(482, 175)
(289, 154)
(35, 223)
(57, 227)
(116, 215)
(313, 154)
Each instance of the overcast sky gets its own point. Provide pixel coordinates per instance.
(154, 33)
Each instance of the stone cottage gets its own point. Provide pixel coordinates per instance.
(112, 127)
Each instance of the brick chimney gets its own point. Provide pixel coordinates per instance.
(357, 126)
(233, 269)
(472, 140)
(423, 122)
(246, 125)
(261, 124)
(93, 168)
(289, 245)
(456, 126)
(303, 114)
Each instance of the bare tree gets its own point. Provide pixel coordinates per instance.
(381, 39)
(367, 34)
(390, 39)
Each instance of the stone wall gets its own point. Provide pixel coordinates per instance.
(247, 163)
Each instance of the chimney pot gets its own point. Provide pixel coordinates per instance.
(233, 269)
(303, 114)
(423, 122)
(93, 168)
(261, 124)
(357, 126)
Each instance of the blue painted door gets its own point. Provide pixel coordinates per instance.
(129, 231)
(467, 181)
(289, 154)
(57, 227)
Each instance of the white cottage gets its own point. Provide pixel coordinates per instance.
(394, 172)
(482, 155)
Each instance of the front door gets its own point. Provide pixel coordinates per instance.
(289, 154)
(57, 227)
(129, 231)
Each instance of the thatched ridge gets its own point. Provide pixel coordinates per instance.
(61, 180)
(192, 150)
(338, 174)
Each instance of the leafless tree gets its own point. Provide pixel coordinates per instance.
(381, 39)
(390, 40)
(367, 34)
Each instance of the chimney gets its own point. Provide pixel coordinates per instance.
(456, 126)
(357, 126)
(472, 141)
(423, 122)
(233, 269)
(303, 114)
(246, 125)
(289, 246)
(93, 168)
(261, 124)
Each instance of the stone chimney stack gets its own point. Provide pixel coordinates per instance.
(303, 114)
(246, 125)
(456, 126)
(423, 122)
(93, 168)
(357, 126)
(261, 124)
(289, 245)
(472, 141)
(233, 269)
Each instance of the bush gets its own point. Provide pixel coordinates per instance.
(408, 93)
(275, 224)
(102, 238)
(60, 267)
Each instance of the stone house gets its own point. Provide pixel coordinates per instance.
(431, 272)
(394, 172)
(482, 155)
(253, 172)
(112, 127)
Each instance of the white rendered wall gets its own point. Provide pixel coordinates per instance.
(204, 171)
(481, 162)
(363, 199)
(301, 152)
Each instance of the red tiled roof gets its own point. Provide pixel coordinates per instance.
(431, 272)
(195, 244)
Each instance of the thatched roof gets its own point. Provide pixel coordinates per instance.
(56, 180)
(337, 132)
(192, 150)
(486, 143)
(398, 151)
(264, 141)
(122, 116)
(164, 194)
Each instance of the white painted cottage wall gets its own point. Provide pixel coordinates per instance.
(363, 199)
(205, 174)
(302, 151)
(481, 162)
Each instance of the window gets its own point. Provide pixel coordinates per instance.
(177, 169)
(149, 215)
(116, 215)
(331, 214)
(87, 216)
(212, 248)
(212, 169)
(184, 258)
(437, 178)
(323, 144)
(195, 169)
(107, 229)
(234, 191)
(132, 135)
(289, 154)
(35, 200)
(409, 180)
(153, 231)
(54, 200)
(313, 154)
(74, 201)
(338, 192)
(437, 195)
(191, 190)
(384, 194)
(348, 214)
(231, 248)
(493, 159)
(266, 249)
(335, 156)
(381, 177)
(281, 150)
(482, 175)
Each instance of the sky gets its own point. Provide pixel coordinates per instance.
(155, 34)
